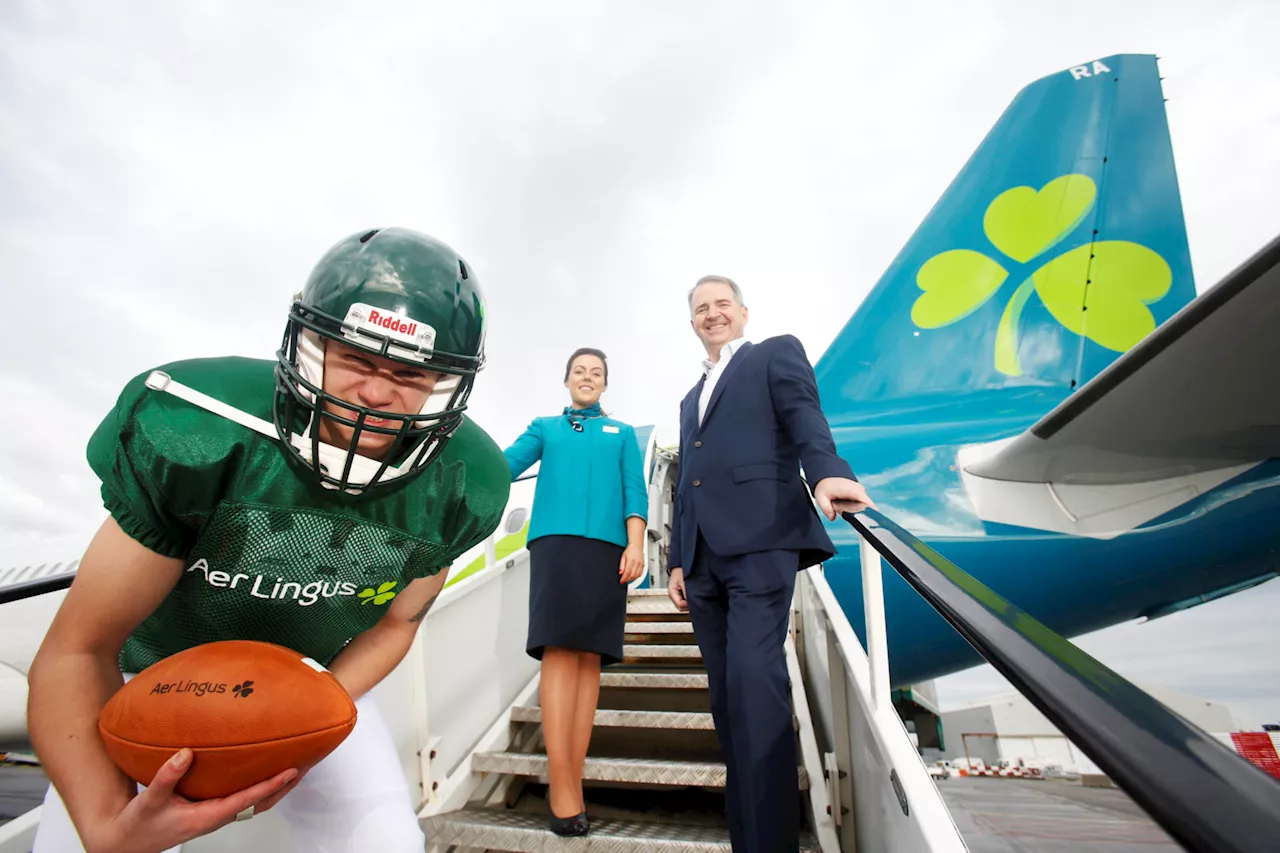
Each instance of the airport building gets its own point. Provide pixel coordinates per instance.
(1008, 728)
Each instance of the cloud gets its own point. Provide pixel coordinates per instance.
(171, 173)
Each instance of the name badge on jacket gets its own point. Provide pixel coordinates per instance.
(608, 428)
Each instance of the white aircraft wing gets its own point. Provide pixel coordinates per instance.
(1194, 405)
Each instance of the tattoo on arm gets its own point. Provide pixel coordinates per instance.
(422, 614)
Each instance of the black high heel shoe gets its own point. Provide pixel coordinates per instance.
(570, 827)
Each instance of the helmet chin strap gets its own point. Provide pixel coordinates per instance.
(332, 458)
(158, 380)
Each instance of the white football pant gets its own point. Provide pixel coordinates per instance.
(354, 801)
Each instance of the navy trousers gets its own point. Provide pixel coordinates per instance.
(739, 607)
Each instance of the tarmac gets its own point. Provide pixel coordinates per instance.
(1004, 815)
(22, 788)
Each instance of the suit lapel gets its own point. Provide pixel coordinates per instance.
(725, 378)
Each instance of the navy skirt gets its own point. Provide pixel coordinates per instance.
(575, 598)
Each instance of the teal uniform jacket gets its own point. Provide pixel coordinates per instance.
(590, 482)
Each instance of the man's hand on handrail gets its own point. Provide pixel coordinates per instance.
(835, 495)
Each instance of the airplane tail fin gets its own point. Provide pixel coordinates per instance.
(1059, 246)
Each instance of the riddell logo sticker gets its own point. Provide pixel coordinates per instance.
(378, 321)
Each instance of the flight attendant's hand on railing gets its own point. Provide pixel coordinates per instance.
(631, 566)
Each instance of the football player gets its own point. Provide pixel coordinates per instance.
(315, 501)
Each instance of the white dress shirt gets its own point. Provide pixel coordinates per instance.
(713, 371)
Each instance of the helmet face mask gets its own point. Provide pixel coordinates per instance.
(393, 294)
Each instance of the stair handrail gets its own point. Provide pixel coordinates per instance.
(1201, 793)
(38, 586)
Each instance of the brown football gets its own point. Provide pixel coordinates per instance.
(247, 710)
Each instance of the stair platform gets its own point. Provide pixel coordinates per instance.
(496, 829)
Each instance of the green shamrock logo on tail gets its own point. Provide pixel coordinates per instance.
(383, 594)
(1122, 278)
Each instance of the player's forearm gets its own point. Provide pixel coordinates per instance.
(67, 692)
(371, 656)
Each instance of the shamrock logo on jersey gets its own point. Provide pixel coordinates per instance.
(1120, 277)
(242, 690)
(382, 595)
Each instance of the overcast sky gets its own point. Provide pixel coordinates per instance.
(170, 172)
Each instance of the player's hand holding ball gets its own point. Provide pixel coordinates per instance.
(214, 731)
(158, 818)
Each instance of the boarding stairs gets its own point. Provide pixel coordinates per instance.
(654, 775)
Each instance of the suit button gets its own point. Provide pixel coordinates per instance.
(697, 482)
(697, 444)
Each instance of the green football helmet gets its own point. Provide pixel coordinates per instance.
(400, 295)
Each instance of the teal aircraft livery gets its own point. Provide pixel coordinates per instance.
(958, 389)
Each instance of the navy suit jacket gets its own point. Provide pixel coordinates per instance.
(740, 469)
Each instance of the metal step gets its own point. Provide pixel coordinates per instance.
(689, 721)
(654, 604)
(493, 829)
(646, 593)
(659, 628)
(648, 771)
(655, 680)
(684, 720)
(661, 652)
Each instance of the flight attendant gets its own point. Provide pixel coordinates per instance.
(586, 541)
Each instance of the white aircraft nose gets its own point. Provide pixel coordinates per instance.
(23, 623)
(13, 708)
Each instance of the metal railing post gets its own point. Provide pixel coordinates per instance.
(842, 705)
(873, 612)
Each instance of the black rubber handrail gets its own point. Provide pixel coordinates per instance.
(32, 588)
(1203, 794)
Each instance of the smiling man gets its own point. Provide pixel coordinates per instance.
(743, 526)
(316, 502)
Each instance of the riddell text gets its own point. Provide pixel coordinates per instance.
(392, 322)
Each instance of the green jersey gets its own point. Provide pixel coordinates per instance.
(270, 554)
